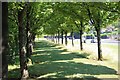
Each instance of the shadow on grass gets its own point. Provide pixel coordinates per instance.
(63, 69)
(54, 55)
(15, 73)
(50, 61)
(49, 52)
(44, 44)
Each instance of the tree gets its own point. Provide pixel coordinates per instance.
(5, 51)
(99, 18)
(22, 49)
(76, 13)
(80, 20)
(29, 46)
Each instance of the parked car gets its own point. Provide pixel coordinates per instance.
(84, 39)
(94, 40)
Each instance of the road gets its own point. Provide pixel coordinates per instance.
(103, 41)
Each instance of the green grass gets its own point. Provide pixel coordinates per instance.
(55, 61)
(109, 53)
(115, 47)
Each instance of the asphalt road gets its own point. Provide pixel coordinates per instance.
(110, 41)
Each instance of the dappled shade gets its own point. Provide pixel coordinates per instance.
(50, 60)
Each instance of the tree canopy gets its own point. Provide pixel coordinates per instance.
(26, 20)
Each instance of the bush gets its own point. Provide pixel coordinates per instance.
(114, 33)
(109, 34)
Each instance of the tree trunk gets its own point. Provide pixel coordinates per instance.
(58, 36)
(1, 39)
(5, 51)
(98, 33)
(99, 43)
(62, 36)
(53, 38)
(81, 46)
(81, 32)
(32, 36)
(65, 37)
(28, 46)
(22, 50)
(72, 37)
